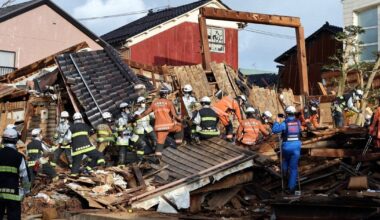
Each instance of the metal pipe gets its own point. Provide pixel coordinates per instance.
(85, 83)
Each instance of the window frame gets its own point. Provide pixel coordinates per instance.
(216, 43)
(14, 58)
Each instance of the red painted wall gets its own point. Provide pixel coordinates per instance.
(180, 45)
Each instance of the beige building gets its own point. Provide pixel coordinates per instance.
(36, 29)
(365, 13)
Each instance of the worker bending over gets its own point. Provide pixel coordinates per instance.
(266, 120)
(290, 130)
(38, 156)
(129, 142)
(205, 121)
(105, 134)
(345, 103)
(248, 132)
(81, 146)
(224, 107)
(374, 129)
(166, 120)
(15, 182)
(142, 126)
(62, 139)
(309, 116)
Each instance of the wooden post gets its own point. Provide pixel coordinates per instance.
(206, 56)
(302, 63)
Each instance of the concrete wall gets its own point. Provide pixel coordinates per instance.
(39, 33)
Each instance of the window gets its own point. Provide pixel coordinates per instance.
(7, 62)
(368, 21)
(216, 39)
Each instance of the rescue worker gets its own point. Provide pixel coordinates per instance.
(11, 126)
(105, 135)
(13, 171)
(81, 145)
(374, 129)
(205, 121)
(38, 156)
(166, 120)
(143, 127)
(309, 116)
(140, 90)
(290, 130)
(224, 107)
(345, 103)
(266, 120)
(125, 116)
(248, 132)
(189, 100)
(62, 139)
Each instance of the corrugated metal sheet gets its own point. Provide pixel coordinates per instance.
(109, 81)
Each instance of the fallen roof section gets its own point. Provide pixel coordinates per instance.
(195, 166)
(100, 80)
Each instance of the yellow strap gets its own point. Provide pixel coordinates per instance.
(8, 169)
(9, 196)
(84, 149)
(80, 133)
(33, 151)
(103, 132)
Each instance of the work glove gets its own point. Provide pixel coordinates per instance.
(54, 148)
(43, 160)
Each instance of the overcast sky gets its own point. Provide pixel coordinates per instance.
(255, 50)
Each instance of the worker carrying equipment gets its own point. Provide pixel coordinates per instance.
(13, 171)
(248, 132)
(142, 125)
(205, 121)
(189, 100)
(81, 145)
(105, 132)
(374, 129)
(224, 107)
(309, 116)
(164, 113)
(62, 139)
(38, 156)
(343, 104)
(290, 129)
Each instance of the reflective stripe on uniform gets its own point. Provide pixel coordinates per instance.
(82, 150)
(33, 151)
(209, 132)
(134, 138)
(66, 146)
(101, 161)
(208, 119)
(80, 133)
(9, 196)
(106, 139)
(8, 169)
(103, 132)
(140, 152)
(31, 163)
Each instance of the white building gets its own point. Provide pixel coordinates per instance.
(365, 13)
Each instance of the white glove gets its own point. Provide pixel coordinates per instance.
(43, 160)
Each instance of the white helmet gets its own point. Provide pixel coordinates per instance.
(205, 99)
(11, 126)
(268, 114)
(140, 99)
(10, 135)
(123, 105)
(36, 132)
(106, 115)
(64, 114)
(243, 98)
(290, 110)
(139, 86)
(250, 110)
(358, 94)
(187, 88)
(77, 116)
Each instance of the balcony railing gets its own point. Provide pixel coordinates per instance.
(5, 70)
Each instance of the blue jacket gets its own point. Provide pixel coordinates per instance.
(281, 127)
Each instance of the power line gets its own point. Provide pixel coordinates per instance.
(267, 33)
(122, 14)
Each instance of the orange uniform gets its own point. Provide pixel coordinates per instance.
(374, 129)
(248, 131)
(313, 119)
(226, 105)
(165, 115)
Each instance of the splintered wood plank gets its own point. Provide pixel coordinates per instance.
(139, 176)
(183, 159)
(221, 78)
(199, 157)
(222, 197)
(189, 158)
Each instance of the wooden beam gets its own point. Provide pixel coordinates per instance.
(302, 62)
(205, 48)
(230, 15)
